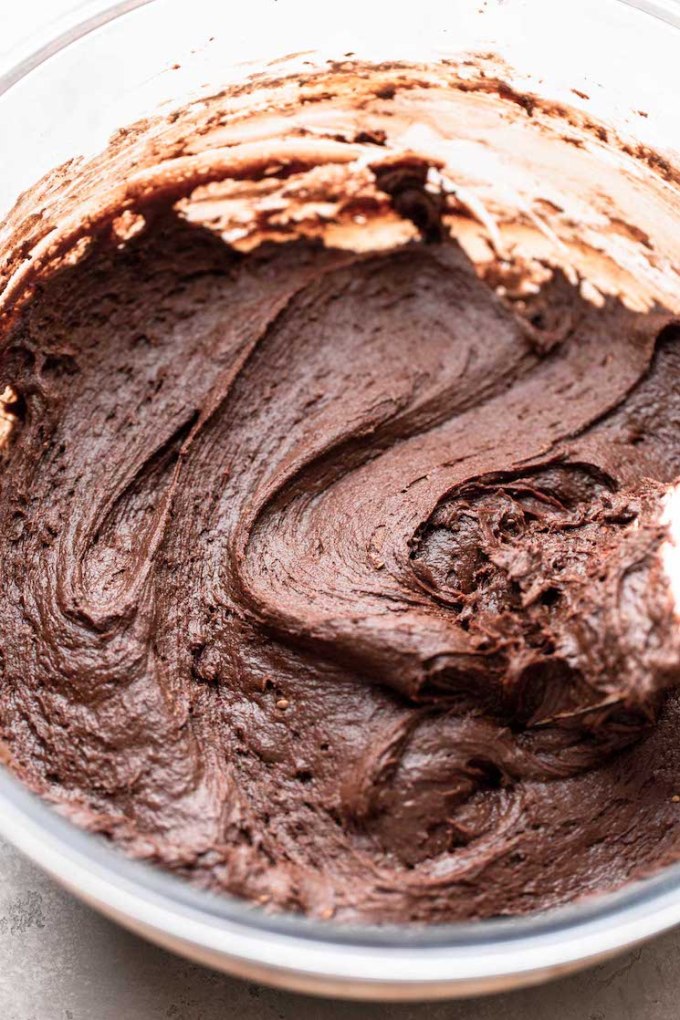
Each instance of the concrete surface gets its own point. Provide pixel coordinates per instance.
(60, 961)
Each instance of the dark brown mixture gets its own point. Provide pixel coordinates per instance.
(332, 580)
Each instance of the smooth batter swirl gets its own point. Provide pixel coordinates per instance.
(332, 580)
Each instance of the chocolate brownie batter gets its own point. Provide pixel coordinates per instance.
(332, 580)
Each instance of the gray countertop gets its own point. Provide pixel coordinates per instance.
(60, 961)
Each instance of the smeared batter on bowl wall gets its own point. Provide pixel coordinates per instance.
(332, 577)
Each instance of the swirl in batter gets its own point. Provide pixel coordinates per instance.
(331, 580)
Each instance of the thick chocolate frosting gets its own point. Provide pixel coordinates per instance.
(332, 580)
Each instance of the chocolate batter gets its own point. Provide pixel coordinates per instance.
(332, 580)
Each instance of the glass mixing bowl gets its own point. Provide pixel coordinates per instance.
(63, 95)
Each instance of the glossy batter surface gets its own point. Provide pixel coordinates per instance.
(331, 580)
